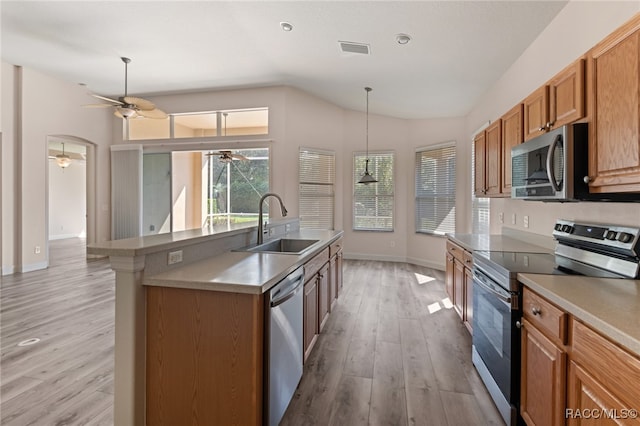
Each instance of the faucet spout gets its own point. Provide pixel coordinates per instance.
(283, 210)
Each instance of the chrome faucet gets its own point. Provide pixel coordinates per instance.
(260, 224)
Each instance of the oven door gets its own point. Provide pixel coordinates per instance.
(495, 335)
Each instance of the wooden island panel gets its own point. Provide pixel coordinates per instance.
(204, 357)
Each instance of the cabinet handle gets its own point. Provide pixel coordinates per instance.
(536, 311)
(550, 125)
(468, 260)
(542, 129)
(519, 324)
(586, 179)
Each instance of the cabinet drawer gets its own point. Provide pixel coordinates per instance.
(614, 367)
(468, 259)
(544, 315)
(314, 265)
(455, 251)
(335, 247)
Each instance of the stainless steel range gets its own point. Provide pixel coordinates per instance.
(584, 249)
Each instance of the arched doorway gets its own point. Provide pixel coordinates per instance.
(69, 212)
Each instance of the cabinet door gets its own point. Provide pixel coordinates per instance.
(323, 295)
(511, 136)
(480, 164)
(468, 299)
(587, 395)
(338, 273)
(458, 286)
(536, 113)
(310, 315)
(494, 146)
(614, 142)
(332, 275)
(450, 272)
(566, 95)
(543, 370)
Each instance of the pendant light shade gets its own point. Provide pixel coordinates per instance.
(367, 178)
(63, 160)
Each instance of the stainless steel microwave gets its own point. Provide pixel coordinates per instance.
(552, 166)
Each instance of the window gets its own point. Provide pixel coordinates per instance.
(316, 177)
(373, 203)
(436, 189)
(234, 188)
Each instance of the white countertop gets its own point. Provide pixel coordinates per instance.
(610, 306)
(243, 272)
(490, 242)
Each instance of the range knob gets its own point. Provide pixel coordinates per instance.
(611, 235)
(567, 228)
(558, 227)
(624, 237)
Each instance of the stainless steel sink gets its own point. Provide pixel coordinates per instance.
(283, 245)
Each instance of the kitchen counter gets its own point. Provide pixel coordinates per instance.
(241, 271)
(610, 306)
(484, 242)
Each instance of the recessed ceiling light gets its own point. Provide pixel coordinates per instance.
(286, 26)
(403, 38)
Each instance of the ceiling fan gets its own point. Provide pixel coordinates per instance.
(227, 156)
(130, 106)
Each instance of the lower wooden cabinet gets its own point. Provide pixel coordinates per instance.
(459, 282)
(323, 296)
(468, 297)
(458, 287)
(590, 380)
(542, 393)
(310, 318)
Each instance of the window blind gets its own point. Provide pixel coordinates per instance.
(436, 190)
(373, 203)
(316, 177)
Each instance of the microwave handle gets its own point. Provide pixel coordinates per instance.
(550, 169)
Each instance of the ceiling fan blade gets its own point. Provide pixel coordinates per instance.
(239, 157)
(98, 105)
(154, 113)
(140, 103)
(105, 98)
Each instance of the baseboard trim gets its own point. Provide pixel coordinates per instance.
(427, 263)
(34, 267)
(380, 257)
(8, 270)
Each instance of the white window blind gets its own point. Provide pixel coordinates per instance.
(436, 189)
(373, 203)
(316, 177)
(479, 206)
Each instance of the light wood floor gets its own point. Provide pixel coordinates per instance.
(391, 352)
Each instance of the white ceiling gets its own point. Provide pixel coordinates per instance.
(459, 49)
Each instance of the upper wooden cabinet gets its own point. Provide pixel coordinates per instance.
(512, 135)
(566, 95)
(536, 113)
(493, 164)
(614, 86)
(480, 149)
(559, 102)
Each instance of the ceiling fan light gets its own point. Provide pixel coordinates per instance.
(127, 112)
(63, 160)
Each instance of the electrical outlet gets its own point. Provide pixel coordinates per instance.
(175, 257)
(513, 219)
(501, 216)
(287, 227)
(36, 249)
(526, 221)
(392, 243)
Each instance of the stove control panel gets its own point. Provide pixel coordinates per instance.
(623, 239)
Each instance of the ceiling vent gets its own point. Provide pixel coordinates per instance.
(351, 47)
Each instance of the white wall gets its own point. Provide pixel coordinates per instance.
(34, 107)
(67, 200)
(577, 28)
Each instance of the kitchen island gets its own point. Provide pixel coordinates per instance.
(201, 263)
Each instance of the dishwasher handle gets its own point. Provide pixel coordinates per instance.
(287, 288)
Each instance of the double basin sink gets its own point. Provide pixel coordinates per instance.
(282, 246)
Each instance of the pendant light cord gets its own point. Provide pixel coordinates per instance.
(367, 89)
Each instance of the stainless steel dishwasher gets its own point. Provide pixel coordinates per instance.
(284, 351)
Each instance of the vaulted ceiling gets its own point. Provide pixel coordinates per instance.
(458, 49)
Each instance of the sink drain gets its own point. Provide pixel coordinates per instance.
(29, 342)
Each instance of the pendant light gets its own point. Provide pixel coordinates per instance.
(63, 160)
(366, 177)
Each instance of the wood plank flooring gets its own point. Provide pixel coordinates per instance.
(66, 378)
(391, 352)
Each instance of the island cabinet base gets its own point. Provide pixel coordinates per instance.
(204, 357)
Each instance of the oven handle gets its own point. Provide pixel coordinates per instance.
(550, 170)
(478, 280)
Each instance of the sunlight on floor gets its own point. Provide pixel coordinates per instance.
(436, 306)
(423, 279)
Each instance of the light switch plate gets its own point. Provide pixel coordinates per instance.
(526, 221)
(175, 257)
